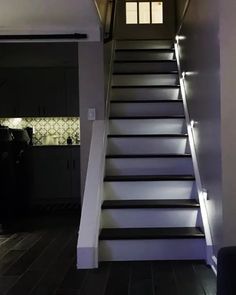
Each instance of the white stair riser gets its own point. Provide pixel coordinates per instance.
(147, 126)
(143, 55)
(144, 67)
(153, 166)
(150, 190)
(122, 250)
(143, 80)
(127, 218)
(152, 145)
(144, 44)
(146, 109)
(145, 93)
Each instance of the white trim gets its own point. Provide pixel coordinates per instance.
(87, 245)
(201, 193)
(214, 265)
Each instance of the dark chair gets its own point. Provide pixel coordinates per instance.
(226, 273)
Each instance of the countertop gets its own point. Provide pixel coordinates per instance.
(56, 145)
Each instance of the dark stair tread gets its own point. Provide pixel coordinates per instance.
(145, 60)
(145, 49)
(127, 156)
(146, 73)
(151, 233)
(145, 117)
(147, 101)
(142, 204)
(126, 178)
(146, 86)
(147, 135)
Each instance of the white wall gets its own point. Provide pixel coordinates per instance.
(228, 115)
(91, 93)
(200, 54)
(49, 16)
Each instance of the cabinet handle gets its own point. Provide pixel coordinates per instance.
(73, 164)
(44, 111)
(39, 111)
(68, 165)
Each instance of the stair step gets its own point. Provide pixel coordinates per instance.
(144, 44)
(146, 101)
(154, 144)
(141, 204)
(145, 49)
(151, 233)
(145, 117)
(147, 86)
(141, 93)
(144, 67)
(145, 109)
(128, 156)
(172, 61)
(127, 178)
(145, 73)
(147, 135)
(135, 190)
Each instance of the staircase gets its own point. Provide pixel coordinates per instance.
(150, 209)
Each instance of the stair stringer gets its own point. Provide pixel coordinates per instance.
(202, 193)
(87, 244)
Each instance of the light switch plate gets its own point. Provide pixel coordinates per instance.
(91, 114)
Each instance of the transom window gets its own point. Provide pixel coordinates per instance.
(144, 12)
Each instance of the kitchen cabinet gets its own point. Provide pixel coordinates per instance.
(8, 93)
(39, 92)
(55, 174)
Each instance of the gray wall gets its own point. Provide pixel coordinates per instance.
(228, 111)
(91, 93)
(200, 54)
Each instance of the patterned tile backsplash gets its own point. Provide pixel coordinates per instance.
(60, 128)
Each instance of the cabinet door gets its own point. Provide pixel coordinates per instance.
(72, 91)
(75, 156)
(8, 93)
(43, 92)
(51, 173)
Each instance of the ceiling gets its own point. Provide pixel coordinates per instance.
(49, 17)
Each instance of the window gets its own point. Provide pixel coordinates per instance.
(157, 13)
(144, 12)
(131, 12)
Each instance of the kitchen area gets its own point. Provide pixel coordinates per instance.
(39, 127)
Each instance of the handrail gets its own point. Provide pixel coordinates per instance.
(109, 23)
(183, 16)
(87, 246)
(202, 195)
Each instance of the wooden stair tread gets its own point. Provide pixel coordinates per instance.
(127, 156)
(146, 101)
(146, 73)
(125, 178)
(142, 204)
(145, 60)
(146, 86)
(145, 117)
(147, 135)
(151, 233)
(146, 49)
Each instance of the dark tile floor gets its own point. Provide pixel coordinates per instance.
(39, 259)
